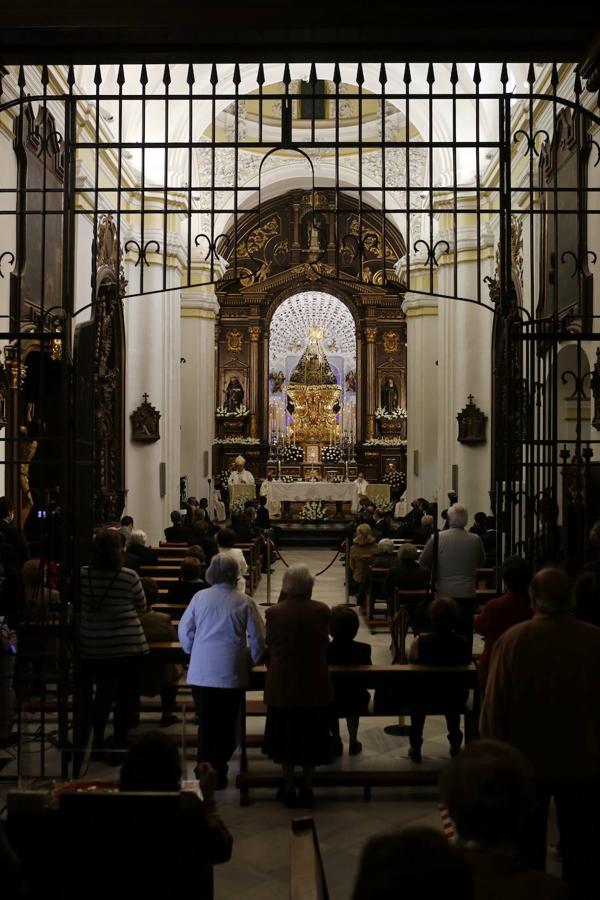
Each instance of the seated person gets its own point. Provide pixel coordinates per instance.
(405, 575)
(500, 613)
(440, 646)
(489, 792)
(130, 560)
(242, 528)
(263, 519)
(363, 547)
(191, 580)
(159, 678)
(385, 557)
(226, 541)
(154, 764)
(489, 541)
(383, 525)
(178, 532)
(343, 650)
(137, 546)
(421, 860)
(478, 526)
(201, 536)
(424, 530)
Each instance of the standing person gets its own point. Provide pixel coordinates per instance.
(273, 506)
(112, 638)
(226, 540)
(499, 614)
(11, 534)
(126, 528)
(360, 490)
(542, 698)
(459, 555)
(298, 690)
(263, 518)
(213, 630)
(240, 475)
(191, 579)
(343, 650)
(159, 678)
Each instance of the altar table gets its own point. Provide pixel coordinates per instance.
(302, 491)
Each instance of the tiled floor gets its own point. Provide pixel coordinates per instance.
(259, 869)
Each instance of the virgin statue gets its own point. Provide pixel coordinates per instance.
(234, 395)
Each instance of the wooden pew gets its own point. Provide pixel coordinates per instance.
(407, 682)
(307, 875)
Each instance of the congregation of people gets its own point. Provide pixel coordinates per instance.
(539, 674)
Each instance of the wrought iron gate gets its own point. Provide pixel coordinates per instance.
(137, 147)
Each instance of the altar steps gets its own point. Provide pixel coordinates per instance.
(318, 534)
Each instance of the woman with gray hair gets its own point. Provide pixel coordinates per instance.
(214, 630)
(298, 690)
(138, 547)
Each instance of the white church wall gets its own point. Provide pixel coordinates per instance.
(421, 377)
(153, 361)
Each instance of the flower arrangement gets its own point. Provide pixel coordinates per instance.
(385, 442)
(292, 454)
(237, 505)
(336, 479)
(241, 412)
(396, 414)
(222, 479)
(381, 503)
(313, 511)
(395, 479)
(289, 479)
(332, 453)
(237, 440)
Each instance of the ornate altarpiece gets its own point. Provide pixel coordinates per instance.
(295, 247)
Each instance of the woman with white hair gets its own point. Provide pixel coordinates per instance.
(214, 631)
(298, 690)
(138, 547)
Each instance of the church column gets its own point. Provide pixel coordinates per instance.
(464, 367)
(254, 332)
(371, 383)
(152, 328)
(199, 308)
(421, 404)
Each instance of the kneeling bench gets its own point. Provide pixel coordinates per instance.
(412, 685)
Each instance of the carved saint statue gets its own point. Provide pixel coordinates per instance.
(389, 395)
(277, 379)
(351, 381)
(234, 395)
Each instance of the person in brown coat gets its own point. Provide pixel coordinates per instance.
(159, 678)
(364, 547)
(488, 790)
(542, 697)
(298, 689)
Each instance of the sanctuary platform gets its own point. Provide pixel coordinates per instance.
(310, 534)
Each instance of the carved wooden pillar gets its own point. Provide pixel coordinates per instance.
(254, 332)
(295, 226)
(266, 424)
(371, 336)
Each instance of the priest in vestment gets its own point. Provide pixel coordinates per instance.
(360, 490)
(266, 490)
(240, 474)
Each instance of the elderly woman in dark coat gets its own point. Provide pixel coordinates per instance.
(298, 689)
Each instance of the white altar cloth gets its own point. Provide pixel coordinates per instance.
(312, 490)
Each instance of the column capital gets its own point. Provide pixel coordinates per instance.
(371, 335)
(254, 332)
(416, 305)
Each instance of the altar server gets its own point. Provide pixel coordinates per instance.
(266, 490)
(360, 490)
